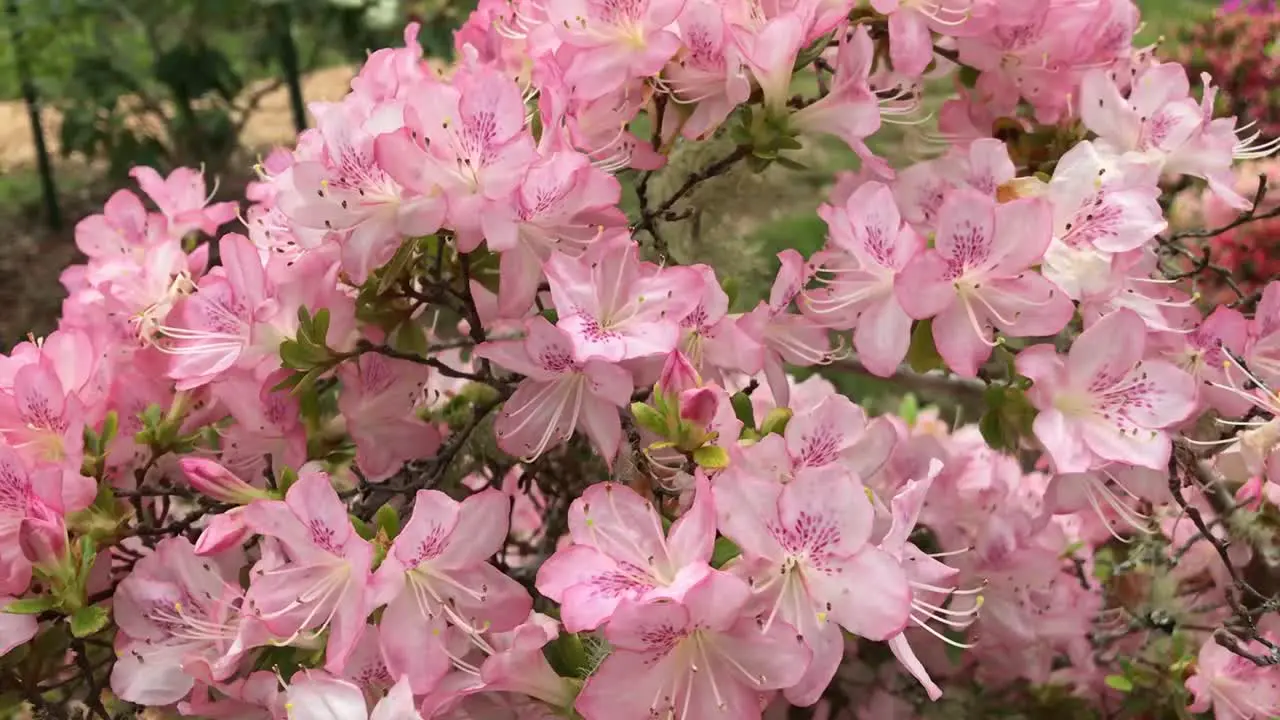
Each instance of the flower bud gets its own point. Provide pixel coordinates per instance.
(698, 406)
(678, 375)
(43, 540)
(223, 532)
(213, 480)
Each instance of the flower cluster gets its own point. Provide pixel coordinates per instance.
(619, 501)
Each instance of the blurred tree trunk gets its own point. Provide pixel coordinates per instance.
(280, 18)
(47, 187)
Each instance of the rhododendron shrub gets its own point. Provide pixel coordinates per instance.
(445, 428)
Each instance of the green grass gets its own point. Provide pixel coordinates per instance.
(1163, 18)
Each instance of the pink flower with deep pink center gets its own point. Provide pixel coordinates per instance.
(180, 620)
(869, 245)
(559, 394)
(464, 142)
(616, 307)
(562, 204)
(379, 400)
(807, 557)
(437, 571)
(1106, 202)
(1104, 402)
(702, 655)
(620, 552)
(978, 278)
(319, 579)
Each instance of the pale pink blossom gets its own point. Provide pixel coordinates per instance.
(978, 278)
(1103, 401)
(700, 656)
(320, 579)
(437, 571)
(181, 198)
(560, 395)
(620, 552)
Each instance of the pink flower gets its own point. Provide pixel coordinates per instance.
(715, 341)
(562, 204)
(702, 656)
(437, 570)
(869, 247)
(1233, 687)
(708, 74)
(1203, 354)
(215, 481)
(352, 187)
(467, 141)
(24, 495)
(255, 697)
(1104, 202)
(322, 580)
(180, 619)
(807, 557)
(849, 111)
(619, 553)
(124, 229)
(42, 418)
(181, 197)
(926, 577)
(379, 399)
(315, 696)
(770, 47)
(608, 43)
(559, 394)
(267, 423)
(910, 22)
(1263, 351)
(15, 629)
(787, 337)
(832, 433)
(978, 278)
(1103, 401)
(42, 538)
(616, 307)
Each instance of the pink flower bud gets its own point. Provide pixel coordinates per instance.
(224, 531)
(211, 479)
(698, 406)
(43, 540)
(678, 375)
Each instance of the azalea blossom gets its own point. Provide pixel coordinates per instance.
(978, 278)
(320, 579)
(616, 307)
(620, 552)
(869, 247)
(559, 394)
(436, 572)
(698, 656)
(808, 561)
(1104, 401)
(180, 619)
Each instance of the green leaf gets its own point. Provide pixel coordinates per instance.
(923, 355)
(711, 457)
(89, 620)
(725, 550)
(567, 656)
(909, 409)
(776, 421)
(110, 426)
(395, 268)
(363, 529)
(387, 519)
(649, 419)
(29, 606)
(1119, 682)
(285, 480)
(743, 409)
